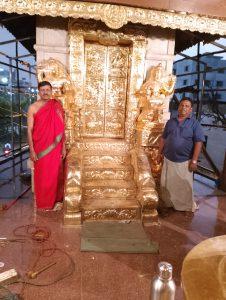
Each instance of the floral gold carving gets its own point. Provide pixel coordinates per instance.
(146, 187)
(111, 173)
(73, 189)
(103, 179)
(113, 187)
(104, 160)
(101, 74)
(115, 16)
(109, 192)
(111, 214)
(153, 101)
(96, 146)
(105, 87)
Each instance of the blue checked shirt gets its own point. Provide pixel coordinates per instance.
(180, 138)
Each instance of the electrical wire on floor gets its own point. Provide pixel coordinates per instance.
(40, 237)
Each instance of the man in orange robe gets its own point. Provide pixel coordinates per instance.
(47, 147)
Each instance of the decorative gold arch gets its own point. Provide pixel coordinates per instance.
(115, 16)
(78, 32)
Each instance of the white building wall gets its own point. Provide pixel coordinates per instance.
(160, 49)
(52, 39)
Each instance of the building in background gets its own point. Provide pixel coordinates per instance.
(5, 82)
(214, 77)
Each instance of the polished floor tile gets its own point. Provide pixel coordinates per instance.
(101, 276)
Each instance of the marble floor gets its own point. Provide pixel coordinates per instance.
(101, 276)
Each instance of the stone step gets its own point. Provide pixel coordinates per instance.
(110, 202)
(108, 192)
(114, 208)
(106, 152)
(102, 144)
(125, 173)
(109, 183)
(105, 160)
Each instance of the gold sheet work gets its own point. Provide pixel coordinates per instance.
(101, 64)
(106, 179)
(115, 16)
(73, 190)
(146, 194)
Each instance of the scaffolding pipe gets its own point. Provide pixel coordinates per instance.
(8, 65)
(12, 125)
(17, 40)
(19, 104)
(198, 81)
(201, 55)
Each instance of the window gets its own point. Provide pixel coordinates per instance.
(185, 82)
(186, 68)
(174, 72)
(206, 95)
(218, 96)
(220, 83)
(207, 82)
(221, 70)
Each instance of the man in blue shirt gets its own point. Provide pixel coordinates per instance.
(180, 145)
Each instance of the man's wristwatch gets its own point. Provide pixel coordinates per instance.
(194, 161)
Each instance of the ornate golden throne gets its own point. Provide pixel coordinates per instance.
(108, 175)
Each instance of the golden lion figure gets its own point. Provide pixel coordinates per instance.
(159, 84)
(153, 98)
(55, 72)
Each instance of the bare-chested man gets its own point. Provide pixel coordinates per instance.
(47, 147)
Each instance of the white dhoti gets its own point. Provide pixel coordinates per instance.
(177, 186)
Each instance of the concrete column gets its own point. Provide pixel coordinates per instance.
(160, 49)
(52, 39)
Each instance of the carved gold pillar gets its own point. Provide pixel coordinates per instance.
(146, 194)
(73, 188)
(106, 68)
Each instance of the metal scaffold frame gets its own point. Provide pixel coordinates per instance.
(199, 90)
(14, 89)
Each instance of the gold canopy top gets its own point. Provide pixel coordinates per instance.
(115, 16)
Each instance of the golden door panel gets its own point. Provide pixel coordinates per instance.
(105, 90)
(115, 107)
(118, 58)
(114, 123)
(95, 56)
(94, 90)
(118, 61)
(94, 94)
(116, 94)
(94, 123)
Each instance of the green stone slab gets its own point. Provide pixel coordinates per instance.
(117, 229)
(118, 245)
(116, 237)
